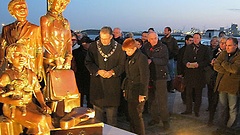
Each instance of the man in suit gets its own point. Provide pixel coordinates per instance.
(180, 66)
(105, 61)
(24, 32)
(196, 58)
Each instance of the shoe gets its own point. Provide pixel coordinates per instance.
(152, 123)
(166, 125)
(196, 114)
(186, 113)
(171, 91)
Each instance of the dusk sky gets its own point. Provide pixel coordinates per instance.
(138, 15)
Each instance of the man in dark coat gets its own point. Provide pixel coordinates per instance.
(157, 54)
(172, 46)
(180, 66)
(105, 61)
(196, 58)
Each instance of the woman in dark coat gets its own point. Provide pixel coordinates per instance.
(135, 84)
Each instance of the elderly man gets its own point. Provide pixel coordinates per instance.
(227, 64)
(117, 35)
(157, 54)
(105, 61)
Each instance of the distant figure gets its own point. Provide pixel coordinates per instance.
(180, 66)
(33, 117)
(221, 34)
(227, 64)
(105, 62)
(172, 46)
(139, 43)
(196, 58)
(82, 74)
(129, 35)
(214, 46)
(215, 94)
(157, 54)
(144, 36)
(151, 30)
(117, 35)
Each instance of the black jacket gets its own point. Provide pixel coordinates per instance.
(159, 56)
(137, 76)
(195, 77)
(105, 92)
(172, 46)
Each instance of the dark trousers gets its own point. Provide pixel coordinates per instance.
(212, 100)
(135, 110)
(183, 96)
(159, 101)
(189, 99)
(111, 114)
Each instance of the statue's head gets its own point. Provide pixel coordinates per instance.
(16, 54)
(18, 8)
(58, 5)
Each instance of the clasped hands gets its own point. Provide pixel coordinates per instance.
(105, 74)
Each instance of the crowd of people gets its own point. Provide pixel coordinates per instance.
(198, 64)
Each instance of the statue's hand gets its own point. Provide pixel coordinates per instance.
(46, 109)
(8, 94)
(67, 64)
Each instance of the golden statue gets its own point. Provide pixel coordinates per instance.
(57, 41)
(22, 31)
(18, 84)
(56, 36)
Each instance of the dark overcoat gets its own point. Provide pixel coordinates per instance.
(195, 77)
(105, 92)
(159, 56)
(137, 77)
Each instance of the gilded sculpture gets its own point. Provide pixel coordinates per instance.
(56, 36)
(22, 31)
(56, 39)
(23, 82)
(25, 63)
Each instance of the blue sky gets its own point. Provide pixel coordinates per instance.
(138, 15)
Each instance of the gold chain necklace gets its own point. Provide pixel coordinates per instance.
(106, 56)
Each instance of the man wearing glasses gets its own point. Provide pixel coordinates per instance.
(105, 62)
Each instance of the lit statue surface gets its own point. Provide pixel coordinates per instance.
(22, 31)
(22, 83)
(56, 39)
(56, 36)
